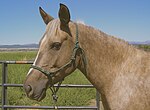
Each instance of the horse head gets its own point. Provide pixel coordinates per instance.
(57, 57)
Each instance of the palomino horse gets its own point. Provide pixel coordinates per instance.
(119, 71)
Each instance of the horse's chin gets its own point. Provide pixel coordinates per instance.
(39, 97)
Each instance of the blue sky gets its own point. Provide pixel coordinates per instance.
(21, 23)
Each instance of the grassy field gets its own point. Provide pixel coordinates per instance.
(67, 96)
(144, 47)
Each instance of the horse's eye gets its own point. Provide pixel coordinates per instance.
(56, 46)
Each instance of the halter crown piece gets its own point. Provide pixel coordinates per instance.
(51, 74)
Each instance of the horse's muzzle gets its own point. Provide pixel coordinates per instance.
(35, 86)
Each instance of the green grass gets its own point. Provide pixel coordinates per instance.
(67, 96)
(143, 47)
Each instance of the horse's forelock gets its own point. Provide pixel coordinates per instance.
(52, 27)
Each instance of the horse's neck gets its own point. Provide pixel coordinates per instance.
(112, 67)
(105, 55)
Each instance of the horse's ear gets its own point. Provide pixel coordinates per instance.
(64, 14)
(46, 17)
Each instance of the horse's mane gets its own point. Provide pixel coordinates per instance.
(113, 38)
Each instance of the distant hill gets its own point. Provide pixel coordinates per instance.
(20, 46)
(142, 43)
(28, 46)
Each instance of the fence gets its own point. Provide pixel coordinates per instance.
(4, 86)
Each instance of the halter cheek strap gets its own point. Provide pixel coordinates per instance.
(72, 60)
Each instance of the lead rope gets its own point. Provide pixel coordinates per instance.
(54, 94)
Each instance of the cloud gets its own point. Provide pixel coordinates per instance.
(80, 21)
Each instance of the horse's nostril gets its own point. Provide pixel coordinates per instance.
(28, 88)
